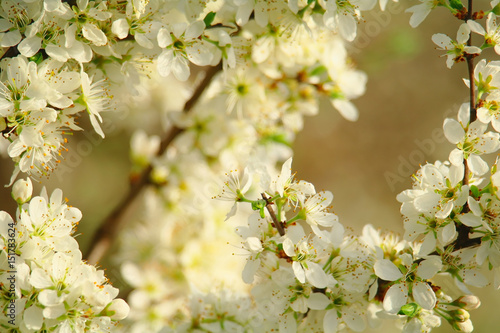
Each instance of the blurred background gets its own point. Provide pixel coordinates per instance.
(365, 164)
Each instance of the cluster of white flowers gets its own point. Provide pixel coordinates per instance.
(38, 104)
(70, 54)
(45, 284)
(308, 275)
(275, 71)
(278, 58)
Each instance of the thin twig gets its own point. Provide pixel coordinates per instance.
(270, 209)
(107, 231)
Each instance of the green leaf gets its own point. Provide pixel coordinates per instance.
(496, 9)
(456, 4)
(209, 19)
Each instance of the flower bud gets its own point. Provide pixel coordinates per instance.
(118, 309)
(22, 190)
(464, 326)
(468, 302)
(460, 315)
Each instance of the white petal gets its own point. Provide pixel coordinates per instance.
(143, 41)
(57, 52)
(299, 272)
(51, 5)
(420, 12)
(180, 68)
(395, 298)
(386, 270)
(94, 34)
(427, 202)
(347, 26)
(428, 245)
(456, 157)
(194, 30)
(164, 38)
(477, 165)
(249, 270)
(120, 28)
(442, 40)
(199, 55)
(96, 125)
(331, 321)
(476, 27)
(80, 52)
(164, 63)
(40, 279)
(316, 275)
(346, 109)
(318, 301)
(30, 46)
(11, 38)
(33, 317)
(354, 320)
(445, 210)
(447, 234)
(453, 130)
(429, 267)
(288, 247)
(463, 33)
(470, 220)
(423, 295)
(464, 114)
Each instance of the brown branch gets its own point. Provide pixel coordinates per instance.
(277, 224)
(105, 234)
(463, 230)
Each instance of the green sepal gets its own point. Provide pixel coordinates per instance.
(37, 58)
(262, 213)
(330, 306)
(275, 138)
(410, 309)
(259, 204)
(475, 191)
(318, 70)
(209, 18)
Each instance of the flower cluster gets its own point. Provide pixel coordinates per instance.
(277, 59)
(38, 103)
(45, 284)
(308, 274)
(70, 56)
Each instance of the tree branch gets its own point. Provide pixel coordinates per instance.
(463, 230)
(277, 224)
(105, 234)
